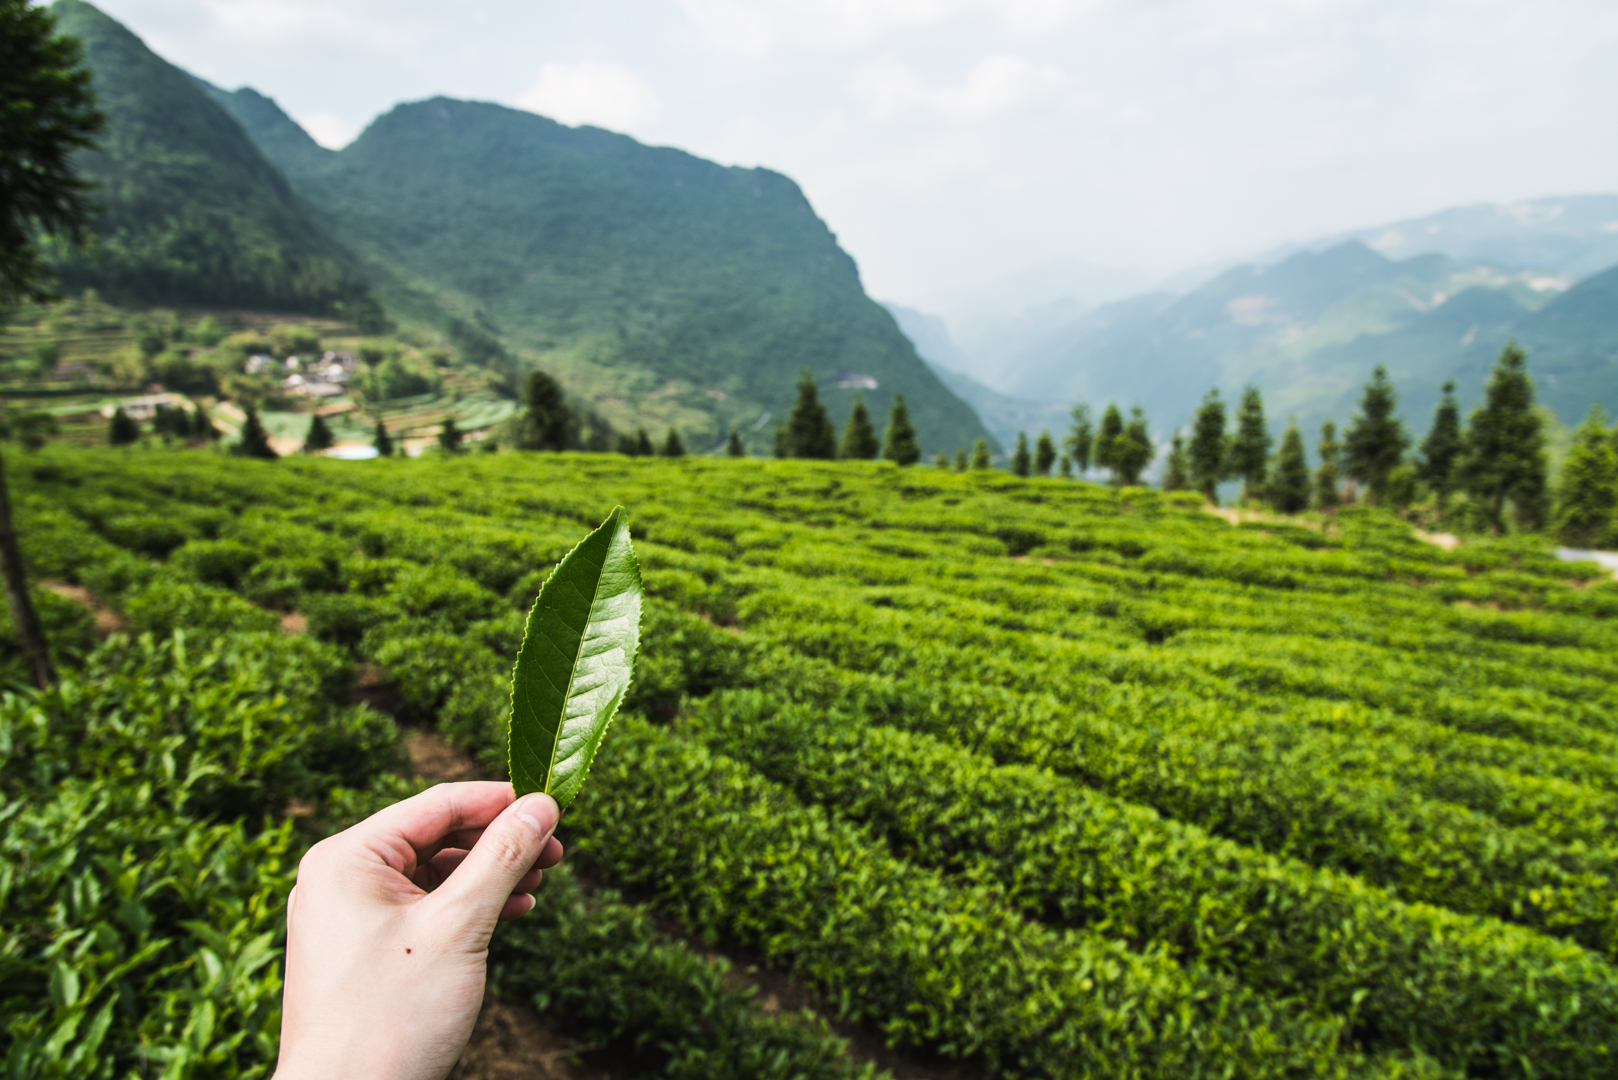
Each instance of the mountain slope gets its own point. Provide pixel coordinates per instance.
(1575, 234)
(195, 214)
(665, 288)
(1308, 331)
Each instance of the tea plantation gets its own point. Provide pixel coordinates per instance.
(1062, 781)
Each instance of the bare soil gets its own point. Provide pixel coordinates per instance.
(107, 621)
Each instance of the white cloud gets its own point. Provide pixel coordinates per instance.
(994, 84)
(606, 95)
(328, 129)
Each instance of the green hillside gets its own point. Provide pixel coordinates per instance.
(665, 288)
(194, 214)
(1309, 330)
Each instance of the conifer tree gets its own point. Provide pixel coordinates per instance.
(734, 447)
(960, 459)
(1327, 478)
(319, 437)
(1207, 455)
(382, 440)
(1441, 449)
(1288, 489)
(547, 417)
(1081, 437)
(899, 440)
(1021, 461)
(1249, 454)
(202, 426)
(673, 446)
(942, 460)
(980, 454)
(1177, 470)
(1044, 453)
(1101, 449)
(1376, 440)
(810, 433)
(1065, 466)
(1132, 450)
(783, 443)
(643, 443)
(121, 430)
(1503, 456)
(255, 441)
(1587, 496)
(859, 434)
(450, 436)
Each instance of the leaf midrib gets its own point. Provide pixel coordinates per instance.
(573, 669)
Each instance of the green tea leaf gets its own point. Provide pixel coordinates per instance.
(577, 657)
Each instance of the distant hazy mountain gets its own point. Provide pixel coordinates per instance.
(194, 214)
(664, 288)
(1308, 331)
(1575, 235)
(1004, 415)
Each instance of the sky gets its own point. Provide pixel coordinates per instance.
(951, 142)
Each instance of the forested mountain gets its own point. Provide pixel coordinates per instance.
(194, 213)
(665, 288)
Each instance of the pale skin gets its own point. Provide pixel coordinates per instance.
(388, 930)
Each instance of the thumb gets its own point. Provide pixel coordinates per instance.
(507, 850)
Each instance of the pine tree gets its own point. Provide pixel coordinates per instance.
(1065, 465)
(899, 443)
(1021, 461)
(1327, 478)
(980, 454)
(942, 459)
(1081, 437)
(1132, 450)
(382, 440)
(319, 437)
(1207, 458)
(1249, 455)
(1288, 489)
(1376, 440)
(202, 426)
(121, 430)
(960, 459)
(1177, 470)
(643, 443)
(1587, 496)
(255, 441)
(1503, 457)
(1044, 453)
(810, 433)
(672, 446)
(1101, 448)
(859, 435)
(547, 418)
(449, 437)
(783, 444)
(734, 447)
(1441, 449)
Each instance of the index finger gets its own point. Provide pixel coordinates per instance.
(424, 820)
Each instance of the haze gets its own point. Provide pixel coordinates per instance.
(949, 142)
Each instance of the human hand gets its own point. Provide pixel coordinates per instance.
(388, 930)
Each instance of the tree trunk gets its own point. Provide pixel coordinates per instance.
(18, 599)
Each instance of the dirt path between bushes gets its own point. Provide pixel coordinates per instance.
(514, 1042)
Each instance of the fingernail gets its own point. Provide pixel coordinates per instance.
(528, 810)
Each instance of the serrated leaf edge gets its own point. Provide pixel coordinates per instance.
(511, 711)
